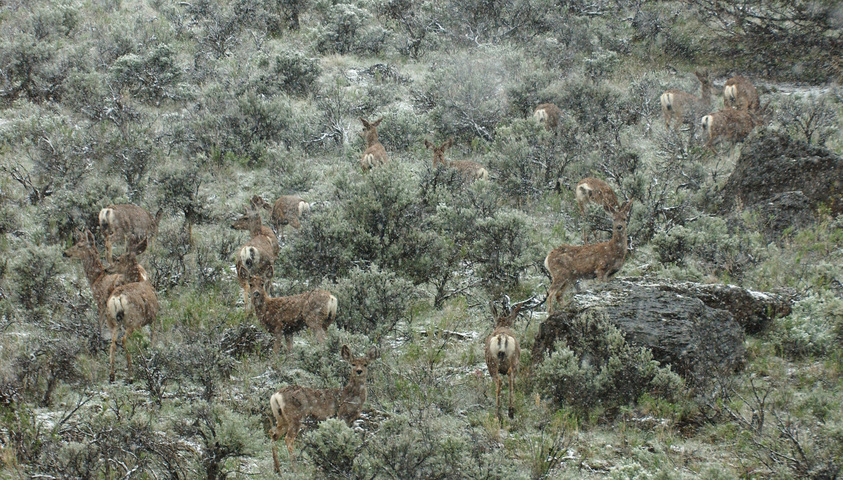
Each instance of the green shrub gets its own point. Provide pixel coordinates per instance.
(373, 301)
(813, 329)
(152, 76)
(333, 447)
(599, 369)
(289, 71)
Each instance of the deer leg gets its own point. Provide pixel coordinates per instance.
(320, 334)
(498, 395)
(289, 340)
(511, 388)
(128, 356)
(111, 354)
(108, 247)
(290, 438)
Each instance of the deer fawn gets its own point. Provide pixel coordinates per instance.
(468, 170)
(101, 282)
(740, 93)
(287, 210)
(258, 255)
(503, 353)
(132, 305)
(549, 115)
(129, 223)
(569, 263)
(684, 107)
(594, 190)
(315, 309)
(375, 154)
(728, 123)
(290, 405)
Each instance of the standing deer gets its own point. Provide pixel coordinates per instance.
(315, 309)
(132, 305)
(290, 405)
(101, 282)
(375, 154)
(594, 190)
(503, 352)
(129, 223)
(258, 255)
(549, 115)
(468, 170)
(728, 123)
(685, 107)
(569, 263)
(287, 210)
(741, 94)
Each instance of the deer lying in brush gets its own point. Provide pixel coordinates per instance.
(741, 94)
(101, 282)
(594, 190)
(375, 154)
(728, 123)
(132, 305)
(503, 352)
(258, 255)
(569, 263)
(469, 170)
(290, 405)
(549, 115)
(287, 210)
(285, 316)
(129, 223)
(684, 107)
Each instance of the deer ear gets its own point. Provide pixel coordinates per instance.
(373, 354)
(90, 237)
(365, 122)
(345, 353)
(494, 308)
(377, 122)
(427, 144)
(448, 143)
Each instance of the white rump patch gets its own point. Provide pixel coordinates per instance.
(730, 92)
(502, 344)
(116, 306)
(583, 192)
(249, 256)
(332, 306)
(667, 100)
(540, 115)
(303, 207)
(706, 123)
(276, 402)
(106, 217)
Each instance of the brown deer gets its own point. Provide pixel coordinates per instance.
(129, 223)
(375, 154)
(728, 123)
(549, 115)
(101, 282)
(569, 263)
(741, 94)
(258, 255)
(467, 169)
(315, 309)
(594, 190)
(684, 107)
(287, 210)
(132, 305)
(503, 352)
(290, 405)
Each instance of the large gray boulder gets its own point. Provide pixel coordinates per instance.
(689, 326)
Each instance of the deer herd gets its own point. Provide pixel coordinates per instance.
(126, 300)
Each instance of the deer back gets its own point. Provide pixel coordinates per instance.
(728, 123)
(503, 351)
(740, 93)
(375, 153)
(597, 191)
(128, 221)
(548, 114)
(133, 304)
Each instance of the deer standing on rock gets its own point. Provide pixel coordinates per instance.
(129, 223)
(101, 282)
(728, 123)
(375, 154)
(741, 94)
(569, 263)
(287, 210)
(594, 190)
(258, 255)
(290, 405)
(468, 170)
(503, 352)
(682, 107)
(315, 309)
(132, 305)
(548, 114)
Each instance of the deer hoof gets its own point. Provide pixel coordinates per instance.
(511, 412)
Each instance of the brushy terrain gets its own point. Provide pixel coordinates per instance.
(193, 107)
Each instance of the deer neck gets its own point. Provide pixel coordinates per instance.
(705, 94)
(371, 137)
(354, 393)
(94, 270)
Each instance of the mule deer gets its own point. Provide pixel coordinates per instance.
(741, 94)
(290, 405)
(287, 210)
(728, 123)
(685, 107)
(129, 223)
(569, 263)
(315, 309)
(468, 170)
(102, 283)
(548, 114)
(375, 154)
(258, 255)
(503, 352)
(594, 190)
(132, 305)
